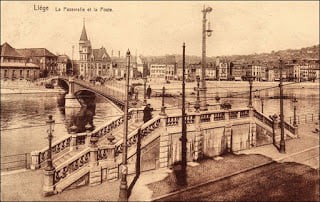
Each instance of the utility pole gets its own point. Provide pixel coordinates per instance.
(183, 176)
(123, 194)
(205, 32)
(295, 111)
(282, 142)
(72, 61)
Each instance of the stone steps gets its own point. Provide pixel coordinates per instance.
(67, 155)
(118, 132)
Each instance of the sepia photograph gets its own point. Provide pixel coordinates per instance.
(160, 100)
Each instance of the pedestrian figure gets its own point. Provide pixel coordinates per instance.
(131, 91)
(136, 94)
(147, 113)
(148, 92)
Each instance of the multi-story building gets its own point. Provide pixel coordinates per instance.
(119, 65)
(223, 71)
(164, 68)
(238, 70)
(42, 57)
(257, 70)
(15, 66)
(158, 71)
(93, 62)
(64, 65)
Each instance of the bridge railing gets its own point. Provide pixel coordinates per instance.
(102, 89)
(69, 140)
(209, 116)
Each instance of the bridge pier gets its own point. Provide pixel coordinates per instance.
(70, 99)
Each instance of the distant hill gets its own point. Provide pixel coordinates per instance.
(308, 53)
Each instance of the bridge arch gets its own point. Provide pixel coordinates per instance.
(75, 86)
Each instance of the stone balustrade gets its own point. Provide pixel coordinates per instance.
(106, 152)
(144, 130)
(290, 128)
(208, 116)
(263, 118)
(269, 122)
(71, 165)
(38, 157)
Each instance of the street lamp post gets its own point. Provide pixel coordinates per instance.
(163, 108)
(295, 111)
(282, 141)
(250, 79)
(50, 122)
(144, 90)
(183, 177)
(123, 194)
(49, 170)
(205, 32)
(197, 105)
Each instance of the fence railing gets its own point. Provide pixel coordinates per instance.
(14, 162)
(304, 118)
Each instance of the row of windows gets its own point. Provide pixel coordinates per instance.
(14, 73)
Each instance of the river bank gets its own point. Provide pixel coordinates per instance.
(26, 87)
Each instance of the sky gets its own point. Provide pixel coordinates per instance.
(161, 27)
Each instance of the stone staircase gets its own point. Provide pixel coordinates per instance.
(90, 158)
(267, 124)
(66, 155)
(118, 132)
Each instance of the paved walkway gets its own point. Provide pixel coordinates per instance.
(307, 143)
(26, 185)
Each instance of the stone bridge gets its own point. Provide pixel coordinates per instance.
(76, 86)
(93, 157)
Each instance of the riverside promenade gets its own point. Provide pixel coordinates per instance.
(25, 185)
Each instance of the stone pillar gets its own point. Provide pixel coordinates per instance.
(198, 149)
(35, 160)
(296, 131)
(88, 138)
(228, 136)
(95, 175)
(275, 129)
(164, 143)
(253, 134)
(73, 143)
(48, 182)
(70, 99)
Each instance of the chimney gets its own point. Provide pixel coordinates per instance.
(119, 53)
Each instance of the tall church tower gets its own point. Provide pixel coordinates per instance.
(84, 45)
(84, 52)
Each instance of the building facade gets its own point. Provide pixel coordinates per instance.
(64, 65)
(42, 57)
(93, 62)
(15, 66)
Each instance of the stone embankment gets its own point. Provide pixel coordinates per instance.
(26, 87)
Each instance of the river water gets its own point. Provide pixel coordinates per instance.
(23, 116)
(23, 119)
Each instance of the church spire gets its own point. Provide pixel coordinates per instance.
(83, 36)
